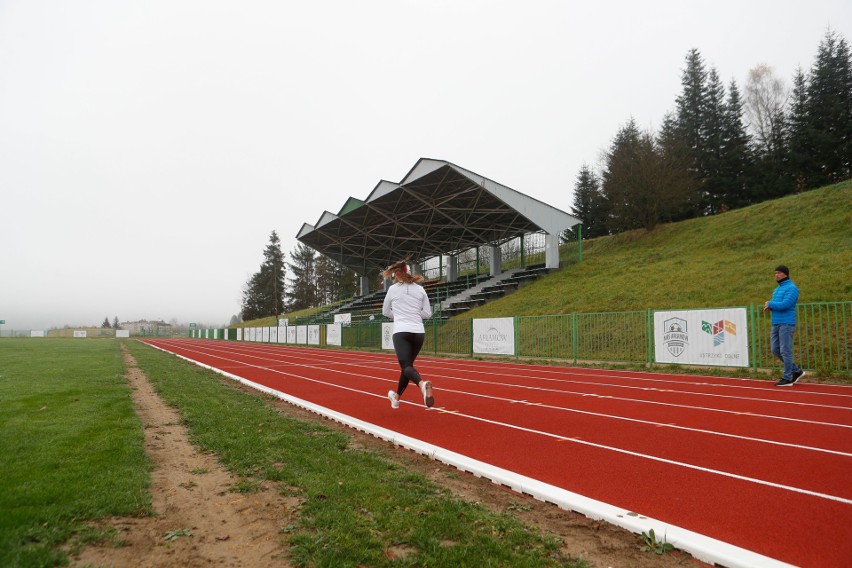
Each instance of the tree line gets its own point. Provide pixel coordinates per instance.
(314, 280)
(721, 149)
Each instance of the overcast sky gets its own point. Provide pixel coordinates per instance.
(149, 148)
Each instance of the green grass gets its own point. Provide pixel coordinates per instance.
(723, 260)
(71, 445)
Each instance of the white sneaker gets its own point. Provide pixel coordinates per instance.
(394, 398)
(428, 399)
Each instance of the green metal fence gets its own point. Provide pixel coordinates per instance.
(823, 336)
(822, 341)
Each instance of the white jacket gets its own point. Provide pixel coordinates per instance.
(407, 305)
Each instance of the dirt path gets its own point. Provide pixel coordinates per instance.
(191, 491)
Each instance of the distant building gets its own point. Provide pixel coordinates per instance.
(145, 327)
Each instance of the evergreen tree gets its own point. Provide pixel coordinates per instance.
(829, 112)
(798, 125)
(115, 323)
(303, 284)
(691, 105)
(710, 154)
(263, 294)
(736, 163)
(589, 205)
(105, 324)
(677, 171)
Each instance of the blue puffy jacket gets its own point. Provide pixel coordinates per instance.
(783, 302)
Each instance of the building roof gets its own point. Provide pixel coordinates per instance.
(438, 208)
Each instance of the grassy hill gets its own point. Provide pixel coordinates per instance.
(723, 260)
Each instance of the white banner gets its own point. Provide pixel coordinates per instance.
(702, 337)
(265, 335)
(239, 334)
(291, 334)
(333, 334)
(122, 333)
(345, 319)
(301, 334)
(282, 334)
(494, 336)
(34, 333)
(80, 333)
(313, 335)
(387, 335)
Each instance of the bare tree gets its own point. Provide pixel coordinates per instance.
(765, 99)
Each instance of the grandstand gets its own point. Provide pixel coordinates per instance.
(435, 216)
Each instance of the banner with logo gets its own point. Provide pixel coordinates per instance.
(702, 337)
(494, 336)
(291, 334)
(302, 334)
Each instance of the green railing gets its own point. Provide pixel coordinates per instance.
(822, 341)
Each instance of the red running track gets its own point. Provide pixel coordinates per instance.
(765, 469)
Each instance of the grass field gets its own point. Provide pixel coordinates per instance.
(71, 448)
(72, 453)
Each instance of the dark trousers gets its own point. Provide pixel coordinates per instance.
(407, 346)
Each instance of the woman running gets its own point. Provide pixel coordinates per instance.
(407, 304)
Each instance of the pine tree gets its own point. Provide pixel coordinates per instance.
(302, 292)
(736, 164)
(799, 132)
(691, 105)
(263, 294)
(589, 205)
(115, 324)
(710, 155)
(105, 324)
(829, 112)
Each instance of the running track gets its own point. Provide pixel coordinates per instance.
(723, 465)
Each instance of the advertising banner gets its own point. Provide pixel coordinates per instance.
(702, 337)
(239, 334)
(345, 319)
(122, 333)
(282, 334)
(313, 335)
(302, 334)
(333, 334)
(80, 333)
(494, 336)
(264, 338)
(387, 335)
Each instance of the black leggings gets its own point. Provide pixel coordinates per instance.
(407, 346)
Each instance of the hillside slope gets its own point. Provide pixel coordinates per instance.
(724, 260)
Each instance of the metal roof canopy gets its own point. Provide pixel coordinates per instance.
(437, 209)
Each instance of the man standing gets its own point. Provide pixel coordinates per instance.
(783, 308)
